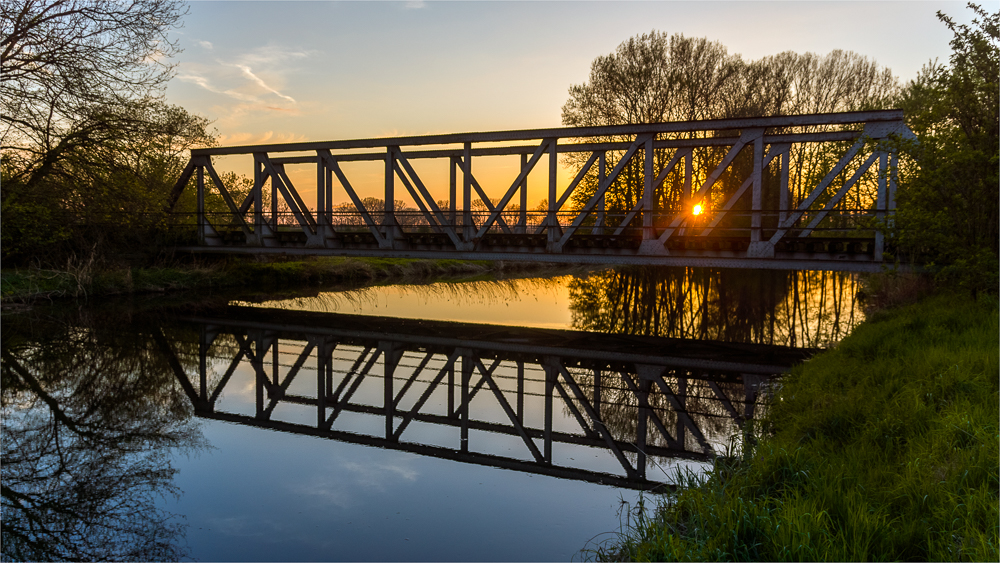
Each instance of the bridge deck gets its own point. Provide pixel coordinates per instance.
(814, 253)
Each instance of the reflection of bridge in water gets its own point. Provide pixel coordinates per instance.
(475, 393)
(779, 192)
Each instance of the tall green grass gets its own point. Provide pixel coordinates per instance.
(885, 448)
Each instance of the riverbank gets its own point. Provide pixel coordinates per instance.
(883, 448)
(85, 280)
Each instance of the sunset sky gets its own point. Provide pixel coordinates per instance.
(291, 71)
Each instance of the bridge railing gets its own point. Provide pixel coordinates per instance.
(772, 182)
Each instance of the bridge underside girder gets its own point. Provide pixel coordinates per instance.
(842, 254)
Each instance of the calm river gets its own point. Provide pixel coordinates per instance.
(491, 420)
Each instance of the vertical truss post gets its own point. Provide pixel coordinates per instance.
(891, 195)
(323, 358)
(203, 342)
(322, 201)
(688, 176)
(453, 193)
(522, 218)
(258, 199)
(468, 228)
(202, 220)
(686, 203)
(551, 372)
(468, 360)
(551, 218)
(520, 391)
(757, 197)
(597, 392)
(642, 426)
(451, 388)
(602, 164)
(330, 366)
(275, 363)
(258, 370)
(681, 396)
(880, 204)
(648, 231)
(390, 361)
(274, 202)
(329, 200)
(391, 228)
(783, 194)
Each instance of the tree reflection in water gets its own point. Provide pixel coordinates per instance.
(91, 417)
(703, 411)
(793, 308)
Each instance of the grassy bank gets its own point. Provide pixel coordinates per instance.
(90, 280)
(884, 448)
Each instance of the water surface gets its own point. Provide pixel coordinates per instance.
(432, 422)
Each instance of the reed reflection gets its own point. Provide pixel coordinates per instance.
(90, 421)
(790, 308)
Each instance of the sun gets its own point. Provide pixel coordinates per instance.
(697, 210)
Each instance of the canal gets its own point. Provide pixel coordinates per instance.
(484, 420)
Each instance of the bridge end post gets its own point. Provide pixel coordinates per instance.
(880, 205)
(200, 174)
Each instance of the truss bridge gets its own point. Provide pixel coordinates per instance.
(788, 192)
(574, 405)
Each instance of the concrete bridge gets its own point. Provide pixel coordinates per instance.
(783, 192)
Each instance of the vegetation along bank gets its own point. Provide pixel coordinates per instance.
(85, 279)
(884, 448)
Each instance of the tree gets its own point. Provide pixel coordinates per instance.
(91, 421)
(87, 140)
(65, 62)
(656, 78)
(948, 199)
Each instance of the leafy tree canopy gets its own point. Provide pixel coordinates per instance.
(86, 137)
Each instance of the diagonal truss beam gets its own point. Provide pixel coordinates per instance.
(514, 419)
(839, 195)
(819, 190)
(773, 152)
(609, 180)
(332, 163)
(514, 187)
(746, 137)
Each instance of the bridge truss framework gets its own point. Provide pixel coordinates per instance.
(815, 230)
(416, 362)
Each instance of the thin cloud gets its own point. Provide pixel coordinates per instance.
(205, 44)
(248, 72)
(204, 83)
(257, 79)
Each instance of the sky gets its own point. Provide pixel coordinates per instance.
(268, 71)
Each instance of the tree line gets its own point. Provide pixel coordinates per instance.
(89, 148)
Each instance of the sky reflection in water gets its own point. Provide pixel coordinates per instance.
(261, 494)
